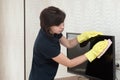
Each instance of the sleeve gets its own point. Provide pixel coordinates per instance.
(51, 51)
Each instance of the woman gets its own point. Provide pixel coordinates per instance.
(47, 53)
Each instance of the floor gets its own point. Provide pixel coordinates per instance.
(73, 78)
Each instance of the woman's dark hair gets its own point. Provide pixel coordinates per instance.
(51, 16)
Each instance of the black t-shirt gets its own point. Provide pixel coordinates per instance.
(45, 48)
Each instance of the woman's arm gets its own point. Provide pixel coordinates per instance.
(98, 49)
(62, 59)
(68, 43)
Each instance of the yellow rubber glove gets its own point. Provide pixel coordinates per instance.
(96, 50)
(87, 35)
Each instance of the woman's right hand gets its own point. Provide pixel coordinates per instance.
(97, 50)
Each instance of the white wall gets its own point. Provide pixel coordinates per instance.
(11, 40)
(82, 15)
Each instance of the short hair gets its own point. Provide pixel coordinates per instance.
(51, 16)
